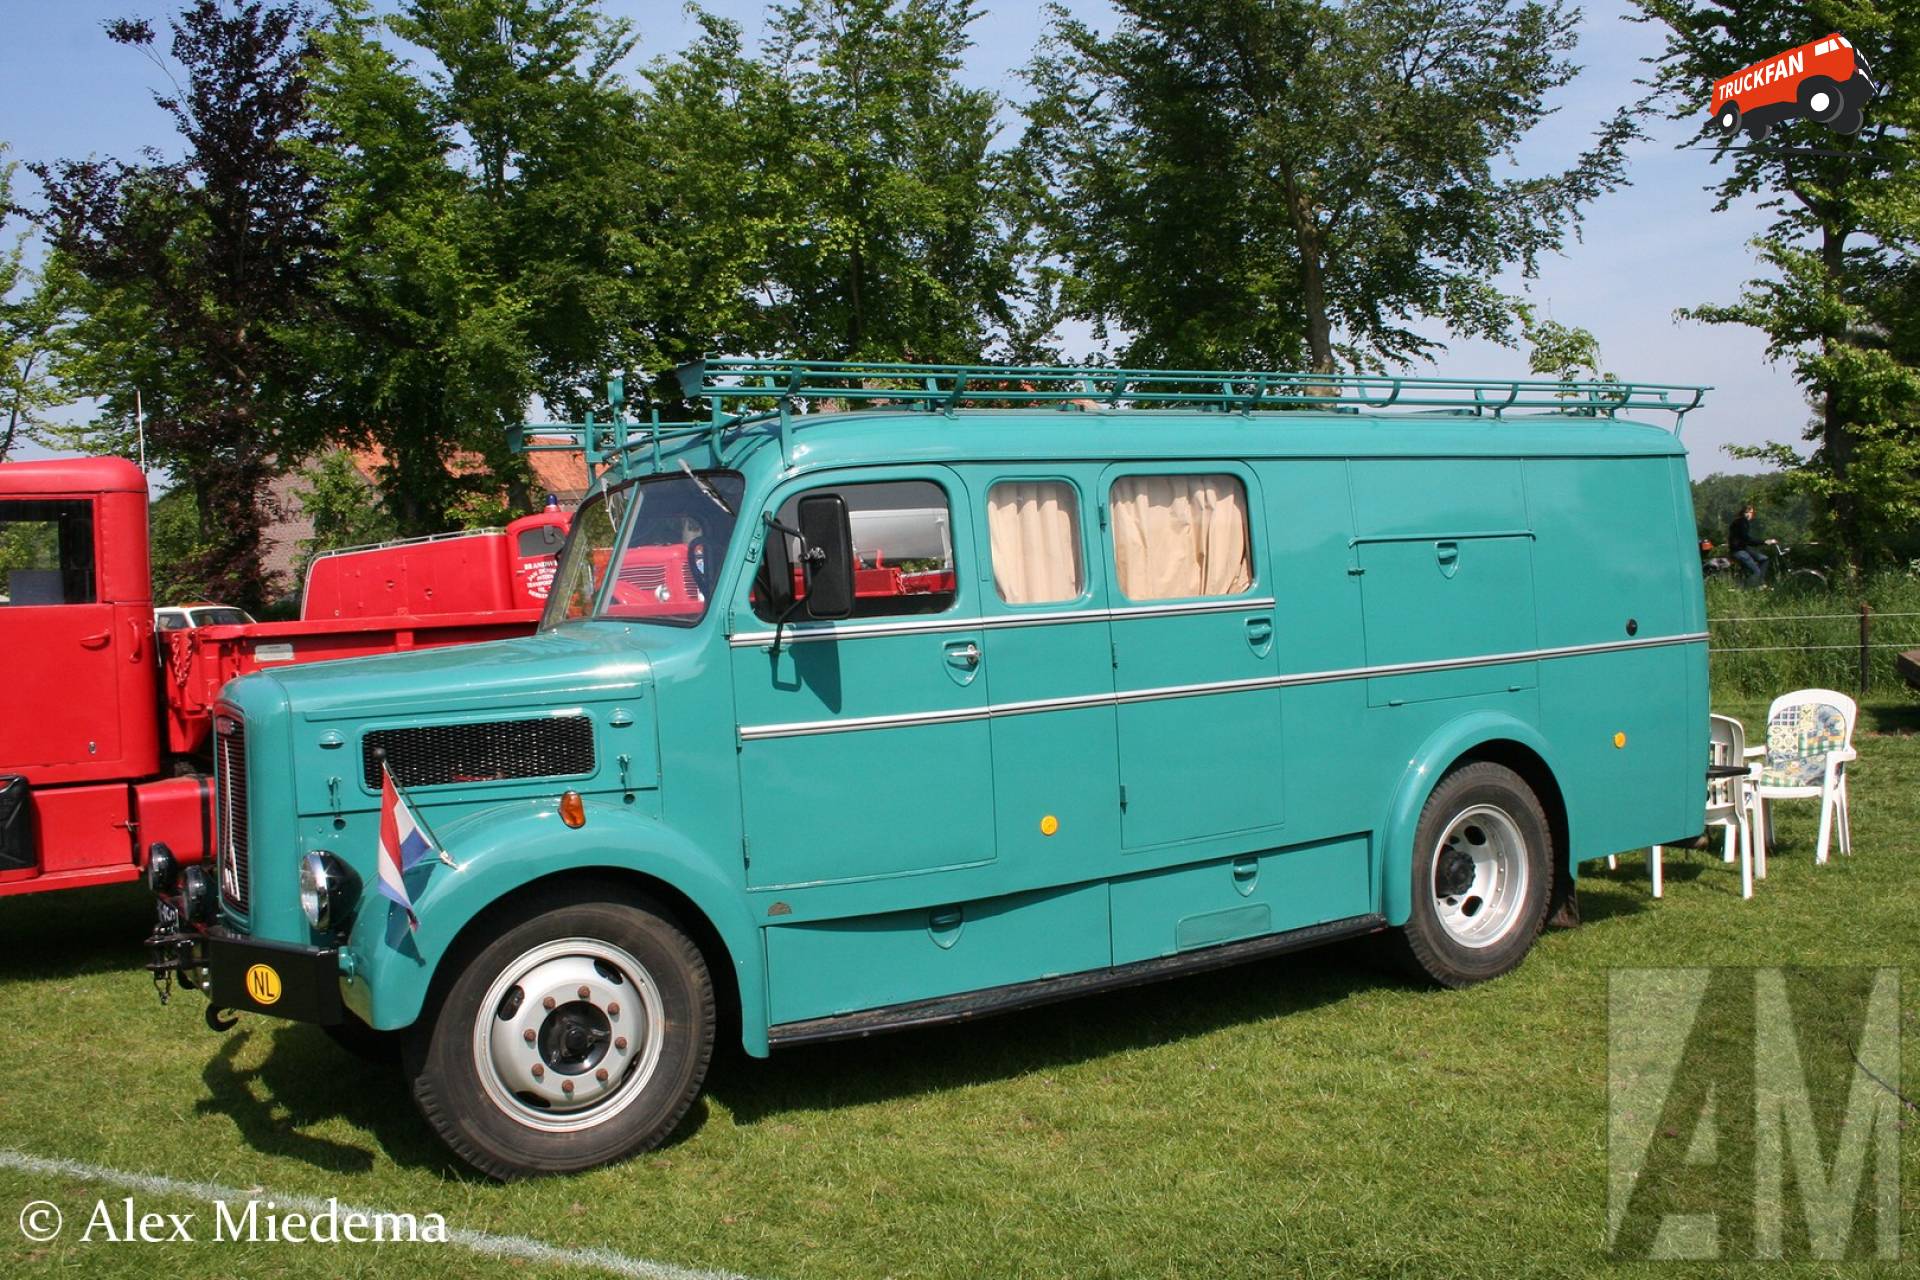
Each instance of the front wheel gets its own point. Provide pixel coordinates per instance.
(573, 1038)
(1482, 874)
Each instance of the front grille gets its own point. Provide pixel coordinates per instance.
(550, 747)
(230, 789)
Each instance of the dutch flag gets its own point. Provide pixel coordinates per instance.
(403, 842)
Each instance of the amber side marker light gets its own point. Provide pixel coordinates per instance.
(572, 811)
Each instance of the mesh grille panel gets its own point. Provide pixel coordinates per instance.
(230, 791)
(550, 747)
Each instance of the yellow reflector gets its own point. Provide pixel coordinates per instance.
(1049, 825)
(572, 811)
(1619, 739)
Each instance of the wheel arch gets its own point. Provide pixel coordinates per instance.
(1498, 739)
(503, 856)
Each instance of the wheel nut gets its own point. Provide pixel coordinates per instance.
(527, 1035)
(566, 1086)
(585, 991)
(613, 1008)
(620, 1044)
(547, 1004)
(538, 1071)
(601, 1075)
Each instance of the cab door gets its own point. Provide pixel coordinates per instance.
(864, 743)
(1194, 661)
(62, 643)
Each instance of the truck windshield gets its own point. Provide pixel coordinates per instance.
(663, 570)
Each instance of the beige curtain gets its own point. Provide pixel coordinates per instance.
(1175, 537)
(1034, 527)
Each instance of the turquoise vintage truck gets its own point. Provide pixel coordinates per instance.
(890, 695)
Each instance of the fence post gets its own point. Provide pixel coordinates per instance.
(1866, 645)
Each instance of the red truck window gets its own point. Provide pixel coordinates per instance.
(46, 551)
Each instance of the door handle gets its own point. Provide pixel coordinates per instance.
(964, 654)
(1259, 630)
(95, 641)
(139, 635)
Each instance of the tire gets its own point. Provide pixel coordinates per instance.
(1850, 120)
(634, 1050)
(1728, 120)
(1820, 99)
(1757, 130)
(1482, 874)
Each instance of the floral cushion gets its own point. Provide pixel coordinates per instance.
(1799, 739)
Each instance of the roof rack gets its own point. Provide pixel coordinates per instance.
(942, 387)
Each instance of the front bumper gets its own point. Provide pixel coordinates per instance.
(246, 975)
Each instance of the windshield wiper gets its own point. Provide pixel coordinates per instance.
(706, 488)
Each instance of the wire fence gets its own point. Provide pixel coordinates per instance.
(1757, 654)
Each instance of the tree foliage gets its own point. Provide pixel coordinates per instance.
(1302, 181)
(192, 272)
(1837, 302)
(34, 323)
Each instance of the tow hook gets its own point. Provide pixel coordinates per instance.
(217, 1023)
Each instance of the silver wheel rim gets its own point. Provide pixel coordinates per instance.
(1479, 876)
(568, 1035)
(1819, 102)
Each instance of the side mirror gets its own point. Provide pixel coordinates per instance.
(826, 536)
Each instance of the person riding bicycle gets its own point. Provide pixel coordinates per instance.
(1746, 545)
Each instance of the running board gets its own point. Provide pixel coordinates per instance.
(969, 1005)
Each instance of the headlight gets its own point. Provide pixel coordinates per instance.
(327, 887)
(196, 894)
(162, 868)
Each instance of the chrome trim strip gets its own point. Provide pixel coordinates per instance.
(937, 625)
(957, 715)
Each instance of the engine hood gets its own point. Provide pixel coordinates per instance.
(585, 662)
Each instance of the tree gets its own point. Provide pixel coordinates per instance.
(1262, 182)
(897, 253)
(482, 209)
(341, 506)
(191, 273)
(33, 331)
(1837, 300)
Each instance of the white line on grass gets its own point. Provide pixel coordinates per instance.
(482, 1242)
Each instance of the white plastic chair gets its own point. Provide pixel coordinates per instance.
(1729, 805)
(1809, 745)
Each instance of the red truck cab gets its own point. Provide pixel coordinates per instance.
(76, 624)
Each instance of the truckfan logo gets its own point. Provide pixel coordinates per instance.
(1827, 82)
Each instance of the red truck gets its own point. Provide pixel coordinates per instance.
(1826, 81)
(105, 728)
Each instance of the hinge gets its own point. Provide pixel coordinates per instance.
(1102, 509)
(746, 851)
(1123, 795)
(1113, 649)
(1355, 572)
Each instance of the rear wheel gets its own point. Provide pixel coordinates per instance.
(1728, 121)
(575, 1037)
(1820, 99)
(1482, 873)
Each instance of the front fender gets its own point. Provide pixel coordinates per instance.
(1424, 770)
(503, 848)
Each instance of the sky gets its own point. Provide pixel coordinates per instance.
(1647, 250)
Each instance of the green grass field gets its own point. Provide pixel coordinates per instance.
(1311, 1115)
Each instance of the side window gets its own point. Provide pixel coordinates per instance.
(903, 540)
(46, 552)
(1179, 537)
(1034, 529)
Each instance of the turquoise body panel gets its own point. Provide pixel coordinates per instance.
(894, 809)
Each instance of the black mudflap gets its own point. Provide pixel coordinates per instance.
(16, 825)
